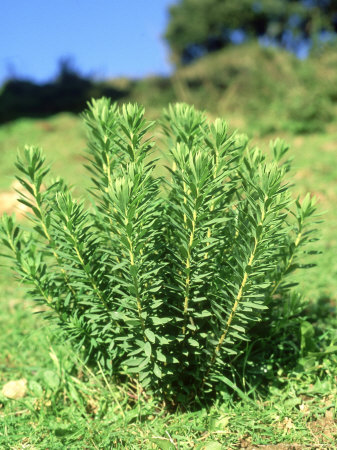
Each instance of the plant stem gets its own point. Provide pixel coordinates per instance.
(188, 268)
(237, 300)
(236, 304)
(296, 244)
(48, 299)
(88, 274)
(136, 286)
(51, 242)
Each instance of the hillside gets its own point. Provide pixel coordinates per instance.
(266, 89)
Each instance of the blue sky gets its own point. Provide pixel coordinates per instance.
(104, 38)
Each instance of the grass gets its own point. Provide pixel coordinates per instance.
(56, 136)
(69, 406)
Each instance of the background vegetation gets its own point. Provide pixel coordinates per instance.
(197, 28)
(266, 92)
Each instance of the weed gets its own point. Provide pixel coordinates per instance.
(167, 289)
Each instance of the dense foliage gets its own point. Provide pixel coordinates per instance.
(69, 91)
(166, 287)
(197, 27)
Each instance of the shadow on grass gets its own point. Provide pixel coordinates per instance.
(289, 347)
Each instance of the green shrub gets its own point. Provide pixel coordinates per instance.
(162, 279)
(307, 112)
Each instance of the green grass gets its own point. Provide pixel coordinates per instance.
(62, 138)
(69, 406)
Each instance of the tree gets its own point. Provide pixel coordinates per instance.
(198, 27)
